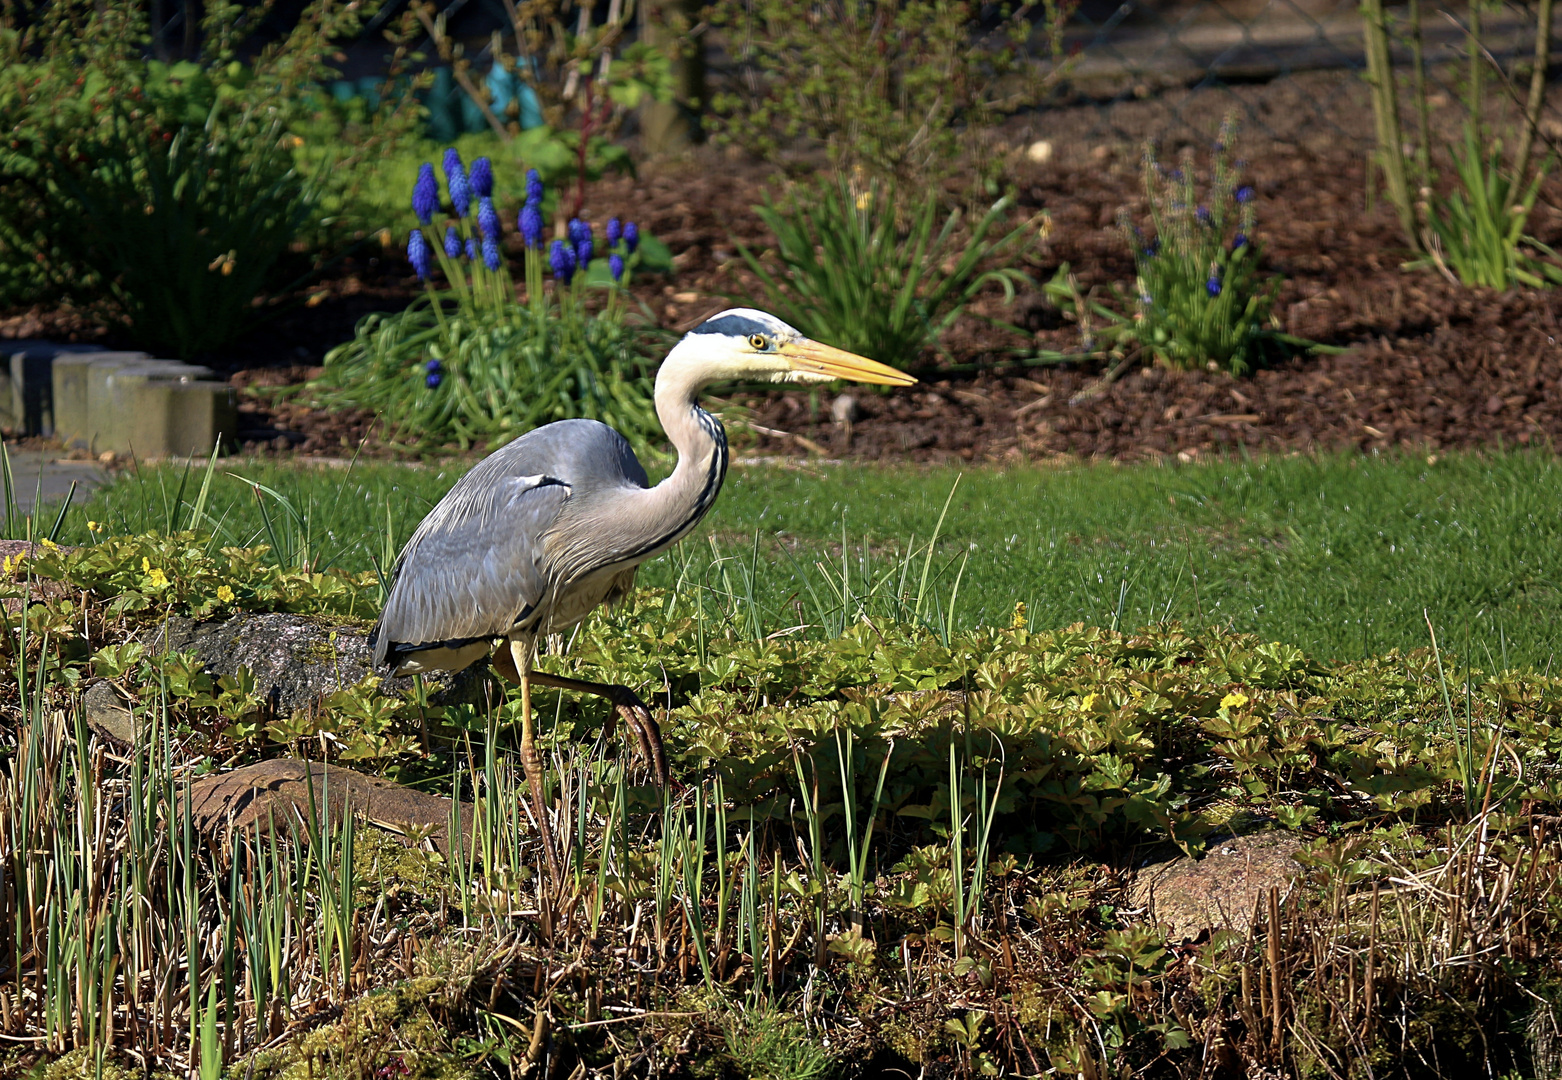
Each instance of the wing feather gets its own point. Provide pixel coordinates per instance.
(474, 567)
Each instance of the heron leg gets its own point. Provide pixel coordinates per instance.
(518, 652)
(627, 704)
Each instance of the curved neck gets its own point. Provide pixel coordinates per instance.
(680, 501)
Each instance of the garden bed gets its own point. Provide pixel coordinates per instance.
(1427, 363)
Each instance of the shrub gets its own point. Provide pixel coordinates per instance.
(855, 277)
(1471, 229)
(162, 192)
(1198, 298)
(906, 90)
(469, 363)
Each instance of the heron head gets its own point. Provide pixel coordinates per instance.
(745, 344)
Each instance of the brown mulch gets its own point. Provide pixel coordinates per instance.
(1428, 364)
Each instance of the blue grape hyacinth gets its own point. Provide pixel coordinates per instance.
(531, 225)
(452, 242)
(1244, 194)
(482, 178)
(615, 232)
(435, 373)
(425, 194)
(491, 252)
(615, 266)
(471, 248)
(487, 218)
(418, 253)
(562, 261)
(631, 237)
(1213, 285)
(533, 187)
(456, 183)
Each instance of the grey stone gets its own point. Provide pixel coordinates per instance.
(299, 659)
(1220, 890)
(108, 713)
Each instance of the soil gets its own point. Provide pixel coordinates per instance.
(1426, 364)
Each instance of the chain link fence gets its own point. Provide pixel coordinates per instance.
(1294, 69)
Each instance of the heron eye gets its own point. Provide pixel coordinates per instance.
(758, 342)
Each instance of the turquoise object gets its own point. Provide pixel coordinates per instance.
(443, 118)
(504, 86)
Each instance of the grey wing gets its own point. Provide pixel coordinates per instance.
(473, 568)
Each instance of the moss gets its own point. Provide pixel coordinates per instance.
(81, 1065)
(386, 866)
(391, 1029)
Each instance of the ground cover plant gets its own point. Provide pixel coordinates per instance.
(1341, 555)
(896, 846)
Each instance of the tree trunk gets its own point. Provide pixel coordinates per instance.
(670, 127)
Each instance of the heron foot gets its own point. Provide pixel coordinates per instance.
(628, 707)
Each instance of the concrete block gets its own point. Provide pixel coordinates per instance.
(71, 377)
(133, 409)
(27, 393)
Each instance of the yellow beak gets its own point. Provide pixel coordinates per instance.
(820, 359)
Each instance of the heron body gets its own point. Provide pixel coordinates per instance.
(547, 528)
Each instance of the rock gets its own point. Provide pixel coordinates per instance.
(843, 410)
(1219, 891)
(108, 713)
(298, 659)
(277, 791)
(1039, 151)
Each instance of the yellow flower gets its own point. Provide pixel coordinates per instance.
(864, 200)
(159, 579)
(1090, 701)
(146, 565)
(225, 594)
(49, 544)
(1234, 700)
(94, 526)
(1018, 621)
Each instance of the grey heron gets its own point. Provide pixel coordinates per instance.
(555, 523)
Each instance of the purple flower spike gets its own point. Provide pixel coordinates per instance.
(418, 253)
(425, 194)
(1239, 242)
(433, 379)
(615, 232)
(531, 225)
(631, 237)
(615, 265)
(1213, 285)
(1244, 194)
(487, 217)
(433, 366)
(482, 178)
(583, 251)
(562, 261)
(452, 242)
(578, 231)
(533, 187)
(1202, 213)
(471, 248)
(491, 252)
(456, 183)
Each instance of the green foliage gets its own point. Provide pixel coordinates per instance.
(852, 275)
(165, 191)
(1198, 298)
(1470, 228)
(472, 364)
(1475, 231)
(773, 1046)
(908, 91)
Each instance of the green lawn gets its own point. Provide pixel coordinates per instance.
(1339, 555)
